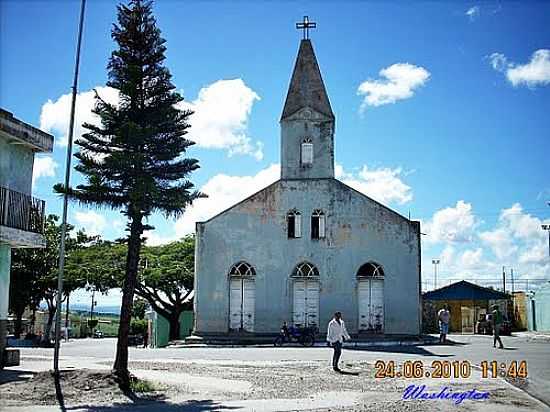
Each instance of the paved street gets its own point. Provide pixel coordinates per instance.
(236, 374)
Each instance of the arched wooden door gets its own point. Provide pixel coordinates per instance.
(305, 296)
(370, 298)
(242, 297)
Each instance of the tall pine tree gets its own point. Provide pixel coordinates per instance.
(134, 160)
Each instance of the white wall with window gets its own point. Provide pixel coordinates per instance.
(306, 153)
(294, 224)
(318, 224)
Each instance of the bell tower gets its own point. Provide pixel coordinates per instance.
(307, 122)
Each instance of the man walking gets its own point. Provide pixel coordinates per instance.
(497, 321)
(336, 335)
(444, 317)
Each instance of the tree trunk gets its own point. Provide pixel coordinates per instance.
(67, 318)
(18, 325)
(47, 333)
(120, 366)
(33, 319)
(175, 324)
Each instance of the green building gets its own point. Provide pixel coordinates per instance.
(21, 215)
(538, 309)
(159, 328)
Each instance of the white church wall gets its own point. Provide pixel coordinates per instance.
(358, 230)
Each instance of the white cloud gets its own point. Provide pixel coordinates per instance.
(382, 184)
(532, 74)
(518, 235)
(498, 61)
(44, 166)
(223, 192)
(473, 13)
(55, 115)
(471, 259)
(92, 222)
(500, 242)
(399, 82)
(452, 224)
(220, 121)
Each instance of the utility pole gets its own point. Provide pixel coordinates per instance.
(547, 228)
(512, 279)
(503, 280)
(65, 195)
(435, 263)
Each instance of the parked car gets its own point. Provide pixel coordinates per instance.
(98, 334)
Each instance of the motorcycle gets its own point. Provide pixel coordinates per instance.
(305, 336)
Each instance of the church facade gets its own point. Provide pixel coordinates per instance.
(307, 245)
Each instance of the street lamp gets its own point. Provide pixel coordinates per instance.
(547, 228)
(435, 263)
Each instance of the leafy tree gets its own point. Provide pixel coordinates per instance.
(34, 272)
(139, 309)
(166, 280)
(165, 275)
(26, 267)
(134, 161)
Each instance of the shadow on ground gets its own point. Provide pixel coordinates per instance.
(7, 375)
(413, 350)
(160, 405)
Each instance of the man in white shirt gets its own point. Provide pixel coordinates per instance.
(336, 334)
(444, 317)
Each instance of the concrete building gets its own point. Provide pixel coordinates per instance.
(21, 216)
(468, 303)
(538, 309)
(307, 245)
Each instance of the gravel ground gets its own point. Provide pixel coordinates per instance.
(77, 387)
(307, 379)
(248, 385)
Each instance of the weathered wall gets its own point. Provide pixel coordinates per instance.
(317, 127)
(358, 230)
(16, 163)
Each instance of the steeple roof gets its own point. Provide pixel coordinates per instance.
(306, 86)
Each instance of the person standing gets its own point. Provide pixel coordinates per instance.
(497, 321)
(444, 317)
(336, 334)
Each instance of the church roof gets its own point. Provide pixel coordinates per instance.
(306, 86)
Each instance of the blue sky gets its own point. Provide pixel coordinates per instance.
(441, 109)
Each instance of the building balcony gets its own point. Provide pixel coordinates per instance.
(22, 219)
(18, 132)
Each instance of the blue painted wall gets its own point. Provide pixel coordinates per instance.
(358, 230)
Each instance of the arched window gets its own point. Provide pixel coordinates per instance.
(370, 270)
(318, 224)
(305, 270)
(242, 269)
(306, 152)
(294, 224)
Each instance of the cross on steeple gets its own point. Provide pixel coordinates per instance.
(305, 26)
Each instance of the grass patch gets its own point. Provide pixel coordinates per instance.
(141, 386)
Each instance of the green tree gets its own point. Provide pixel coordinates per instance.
(134, 161)
(26, 268)
(34, 272)
(166, 280)
(139, 309)
(165, 274)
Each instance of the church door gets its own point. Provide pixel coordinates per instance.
(242, 298)
(306, 302)
(305, 295)
(370, 298)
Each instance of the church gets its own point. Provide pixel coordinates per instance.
(307, 245)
